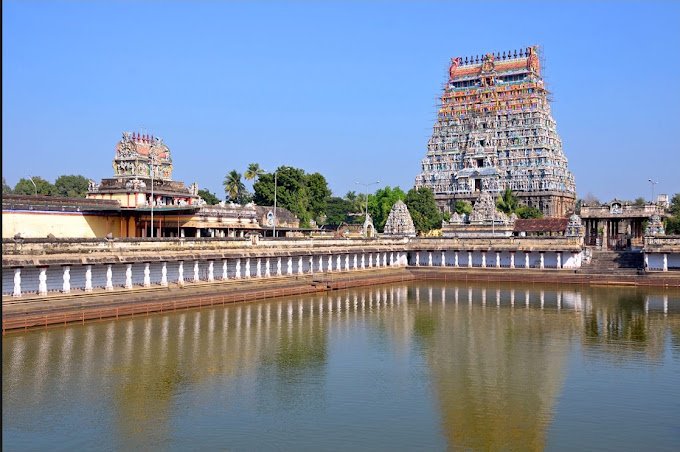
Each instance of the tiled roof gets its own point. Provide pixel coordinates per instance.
(541, 225)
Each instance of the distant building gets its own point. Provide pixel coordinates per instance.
(121, 206)
(494, 130)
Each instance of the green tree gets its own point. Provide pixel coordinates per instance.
(253, 172)
(25, 187)
(380, 204)
(528, 212)
(423, 209)
(6, 189)
(462, 207)
(234, 187)
(71, 186)
(675, 205)
(507, 202)
(319, 194)
(337, 211)
(305, 195)
(639, 202)
(210, 198)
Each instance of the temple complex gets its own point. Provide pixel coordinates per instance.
(494, 130)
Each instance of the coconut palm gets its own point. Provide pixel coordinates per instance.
(507, 202)
(233, 186)
(253, 172)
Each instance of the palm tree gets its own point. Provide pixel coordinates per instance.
(233, 186)
(507, 202)
(253, 172)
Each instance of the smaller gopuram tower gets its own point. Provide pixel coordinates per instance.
(137, 156)
(494, 130)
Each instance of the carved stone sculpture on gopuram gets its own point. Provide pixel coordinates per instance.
(399, 221)
(495, 130)
(135, 154)
(485, 212)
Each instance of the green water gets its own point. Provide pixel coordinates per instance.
(403, 367)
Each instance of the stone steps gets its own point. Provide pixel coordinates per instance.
(614, 262)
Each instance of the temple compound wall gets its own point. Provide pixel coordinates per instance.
(37, 267)
(495, 130)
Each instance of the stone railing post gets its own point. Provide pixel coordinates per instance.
(559, 259)
(211, 270)
(42, 281)
(542, 260)
(512, 259)
(196, 273)
(66, 286)
(238, 268)
(429, 258)
(443, 262)
(147, 275)
(469, 259)
(498, 259)
(300, 269)
(417, 258)
(88, 278)
(180, 273)
(225, 269)
(258, 268)
(455, 259)
(109, 278)
(164, 274)
(267, 273)
(363, 261)
(128, 276)
(247, 271)
(526, 259)
(17, 283)
(483, 259)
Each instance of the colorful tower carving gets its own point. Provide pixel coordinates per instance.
(495, 131)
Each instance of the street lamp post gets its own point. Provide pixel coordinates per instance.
(653, 184)
(34, 186)
(366, 185)
(275, 183)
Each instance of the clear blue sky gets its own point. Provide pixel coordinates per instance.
(345, 89)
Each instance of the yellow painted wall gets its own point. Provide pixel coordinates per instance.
(61, 224)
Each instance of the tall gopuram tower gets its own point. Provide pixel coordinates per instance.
(494, 130)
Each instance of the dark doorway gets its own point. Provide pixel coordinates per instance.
(478, 184)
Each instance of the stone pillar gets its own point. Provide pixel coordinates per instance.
(355, 261)
(526, 259)
(469, 259)
(258, 268)
(391, 259)
(211, 271)
(338, 263)
(311, 264)
(498, 259)
(559, 259)
(417, 258)
(278, 266)
(180, 273)
(455, 259)
(429, 258)
(512, 259)
(290, 266)
(384, 262)
(42, 281)
(300, 270)
(128, 276)
(363, 261)
(443, 262)
(196, 273)
(665, 262)
(66, 286)
(147, 275)
(267, 273)
(247, 271)
(225, 269)
(370, 260)
(109, 277)
(238, 268)
(542, 261)
(483, 259)
(330, 263)
(88, 278)
(17, 283)
(320, 263)
(646, 261)
(164, 274)
(346, 262)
